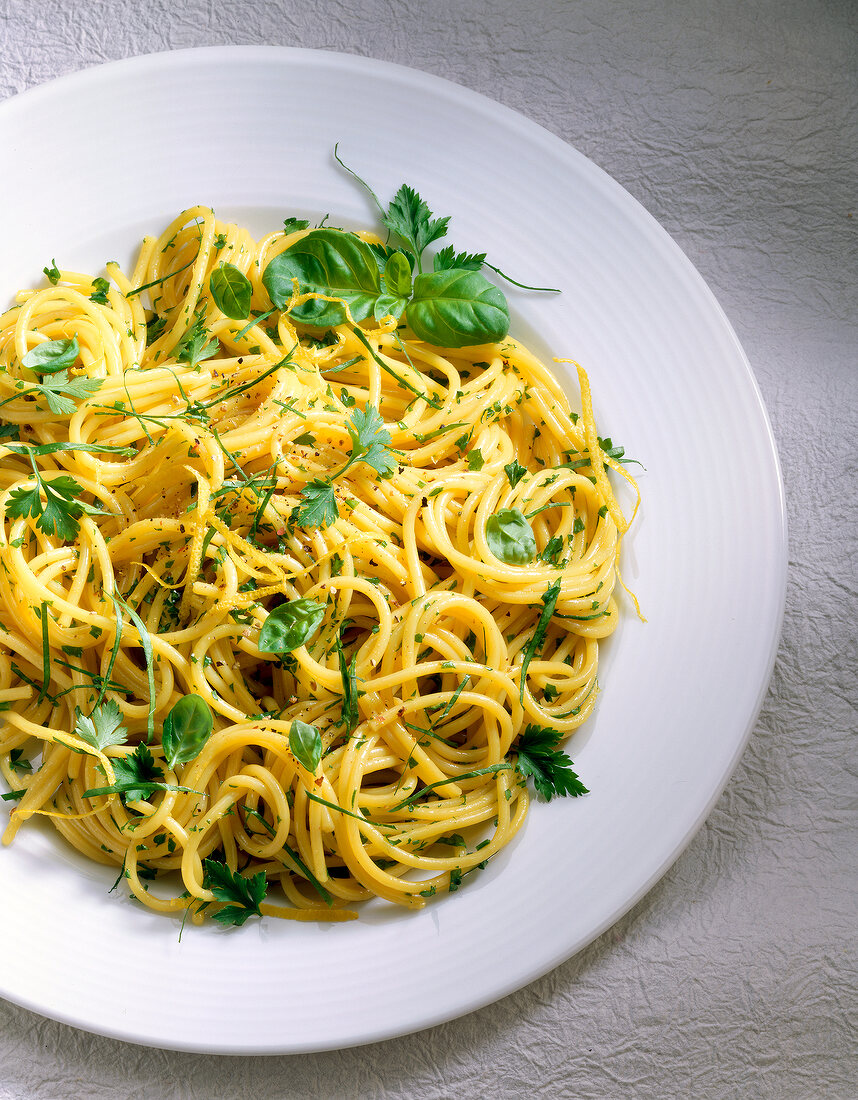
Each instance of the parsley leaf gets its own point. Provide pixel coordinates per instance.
(100, 288)
(59, 389)
(514, 472)
(370, 444)
(61, 511)
(550, 767)
(553, 550)
(319, 507)
(371, 441)
(136, 774)
(292, 225)
(52, 273)
(195, 345)
(243, 894)
(410, 217)
(448, 257)
(18, 762)
(103, 727)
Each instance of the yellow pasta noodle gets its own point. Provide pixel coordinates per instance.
(140, 560)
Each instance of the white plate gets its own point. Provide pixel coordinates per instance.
(92, 161)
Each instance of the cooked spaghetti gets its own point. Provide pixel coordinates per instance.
(429, 533)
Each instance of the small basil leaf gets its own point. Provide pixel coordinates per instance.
(510, 537)
(52, 356)
(457, 307)
(186, 729)
(397, 275)
(389, 303)
(383, 252)
(328, 262)
(306, 744)
(231, 291)
(290, 625)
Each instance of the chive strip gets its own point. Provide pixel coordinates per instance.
(163, 279)
(344, 366)
(296, 859)
(549, 602)
(405, 384)
(150, 786)
(23, 676)
(96, 678)
(236, 390)
(524, 286)
(253, 321)
(430, 733)
(146, 642)
(362, 182)
(454, 697)
(348, 813)
(506, 766)
(257, 516)
(545, 507)
(46, 654)
(440, 431)
(53, 448)
(11, 796)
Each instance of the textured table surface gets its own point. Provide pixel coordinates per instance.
(736, 124)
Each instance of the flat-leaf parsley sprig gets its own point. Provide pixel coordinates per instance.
(370, 444)
(550, 768)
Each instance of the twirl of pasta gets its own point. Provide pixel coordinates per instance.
(444, 519)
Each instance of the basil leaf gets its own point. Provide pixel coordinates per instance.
(290, 625)
(510, 537)
(383, 252)
(329, 262)
(231, 291)
(389, 303)
(306, 744)
(397, 275)
(455, 308)
(186, 729)
(52, 356)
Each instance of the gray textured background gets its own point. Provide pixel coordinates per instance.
(736, 124)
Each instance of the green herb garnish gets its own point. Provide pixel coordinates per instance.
(244, 895)
(549, 767)
(290, 625)
(510, 537)
(187, 727)
(549, 602)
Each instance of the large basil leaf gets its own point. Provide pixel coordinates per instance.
(186, 729)
(329, 262)
(510, 537)
(52, 356)
(231, 291)
(457, 307)
(290, 625)
(306, 744)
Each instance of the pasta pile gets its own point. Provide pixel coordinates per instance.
(141, 558)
